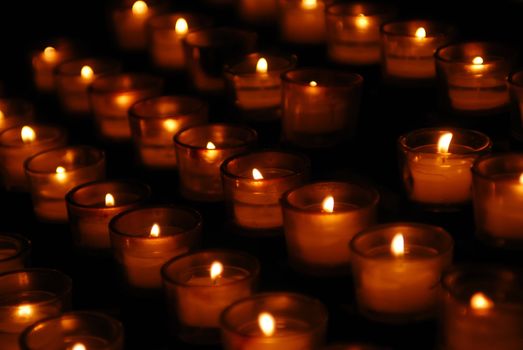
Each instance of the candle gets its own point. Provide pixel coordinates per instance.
(14, 112)
(320, 106)
(208, 50)
(482, 309)
(46, 60)
(154, 122)
(274, 321)
(200, 150)
(166, 33)
(254, 183)
(515, 83)
(319, 221)
(14, 252)
(52, 173)
(113, 95)
(436, 165)
(257, 84)
(91, 206)
(409, 47)
(200, 286)
(144, 239)
(73, 79)
(303, 21)
(474, 75)
(78, 330)
(397, 269)
(258, 11)
(353, 32)
(20, 143)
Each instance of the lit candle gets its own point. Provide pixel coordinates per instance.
(399, 281)
(303, 21)
(45, 61)
(14, 252)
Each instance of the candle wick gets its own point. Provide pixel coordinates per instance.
(215, 280)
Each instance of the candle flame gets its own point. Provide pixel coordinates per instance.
(140, 8)
(444, 142)
(28, 134)
(155, 231)
(210, 145)
(480, 301)
(328, 204)
(262, 66)
(397, 246)
(181, 27)
(216, 270)
(2, 115)
(267, 323)
(87, 72)
(362, 21)
(78, 346)
(478, 60)
(123, 100)
(313, 83)
(521, 179)
(309, 4)
(49, 53)
(421, 33)
(60, 173)
(170, 125)
(256, 174)
(24, 311)
(109, 200)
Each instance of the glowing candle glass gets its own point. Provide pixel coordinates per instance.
(258, 11)
(19, 143)
(78, 330)
(45, 61)
(166, 33)
(515, 83)
(353, 32)
(200, 286)
(254, 183)
(320, 106)
(201, 150)
(482, 309)
(208, 50)
(319, 221)
(256, 84)
(14, 112)
(73, 79)
(274, 321)
(473, 76)
(436, 163)
(144, 239)
(14, 252)
(397, 270)
(302, 21)
(113, 95)
(408, 49)
(51, 174)
(154, 123)
(91, 206)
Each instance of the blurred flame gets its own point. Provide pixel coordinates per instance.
(49, 53)
(267, 323)
(421, 33)
(480, 301)
(362, 21)
(170, 125)
(60, 173)
(87, 72)
(262, 66)
(181, 27)
(313, 83)
(477, 60)
(78, 346)
(256, 174)
(28, 134)
(24, 311)
(216, 270)
(328, 204)
(140, 7)
(444, 142)
(309, 4)
(109, 200)
(155, 231)
(397, 246)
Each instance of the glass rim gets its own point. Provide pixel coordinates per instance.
(475, 167)
(110, 65)
(354, 79)
(439, 51)
(61, 133)
(250, 141)
(449, 29)
(512, 81)
(100, 159)
(384, 9)
(199, 106)
(291, 59)
(25, 245)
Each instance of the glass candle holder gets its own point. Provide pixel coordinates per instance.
(76, 330)
(319, 221)
(45, 60)
(14, 252)
(200, 286)
(482, 308)
(27, 296)
(254, 183)
(498, 198)
(201, 150)
(144, 239)
(208, 50)
(113, 95)
(515, 83)
(51, 174)
(73, 79)
(154, 123)
(274, 321)
(473, 76)
(397, 269)
(130, 22)
(14, 112)
(258, 11)
(409, 46)
(21, 142)
(302, 21)
(353, 32)
(256, 84)
(166, 33)
(91, 206)
(436, 163)
(320, 106)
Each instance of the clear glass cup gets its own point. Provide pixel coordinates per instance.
(15, 112)
(46, 59)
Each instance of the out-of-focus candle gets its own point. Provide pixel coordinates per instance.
(397, 270)
(14, 112)
(14, 252)
(258, 11)
(46, 60)
(303, 21)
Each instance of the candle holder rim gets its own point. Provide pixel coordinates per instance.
(105, 83)
(145, 193)
(322, 321)
(286, 203)
(8, 103)
(109, 65)
(25, 245)
(516, 78)
(162, 21)
(200, 106)
(232, 68)
(509, 51)
(481, 174)
(353, 79)
(252, 136)
(252, 274)
(100, 154)
(249, 35)
(61, 133)
(383, 9)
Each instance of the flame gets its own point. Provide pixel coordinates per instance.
(181, 27)
(362, 21)
(478, 60)
(28, 134)
(480, 301)
(309, 4)
(421, 33)
(109, 200)
(60, 173)
(170, 125)
(262, 66)
(256, 174)
(87, 72)
(328, 204)
(155, 231)
(49, 54)
(267, 323)
(140, 8)
(397, 246)
(24, 311)
(216, 270)
(444, 142)
(313, 83)
(521, 179)
(78, 346)
(2, 115)
(210, 145)
(123, 100)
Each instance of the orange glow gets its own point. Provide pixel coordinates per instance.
(262, 66)
(123, 100)
(256, 174)
(87, 73)
(24, 311)
(2, 115)
(49, 54)
(444, 142)
(140, 8)
(480, 301)
(328, 204)
(78, 346)
(309, 4)
(397, 246)
(477, 64)
(477, 60)
(267, 324)
(313, 83)
(216, 270)
(362, 21)
(109, 200)
(521, 179)
(170, 125)
(210, 145)
(181, 27)
(421, 33)
(27, 134)
(155, 231)
(60, 173)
